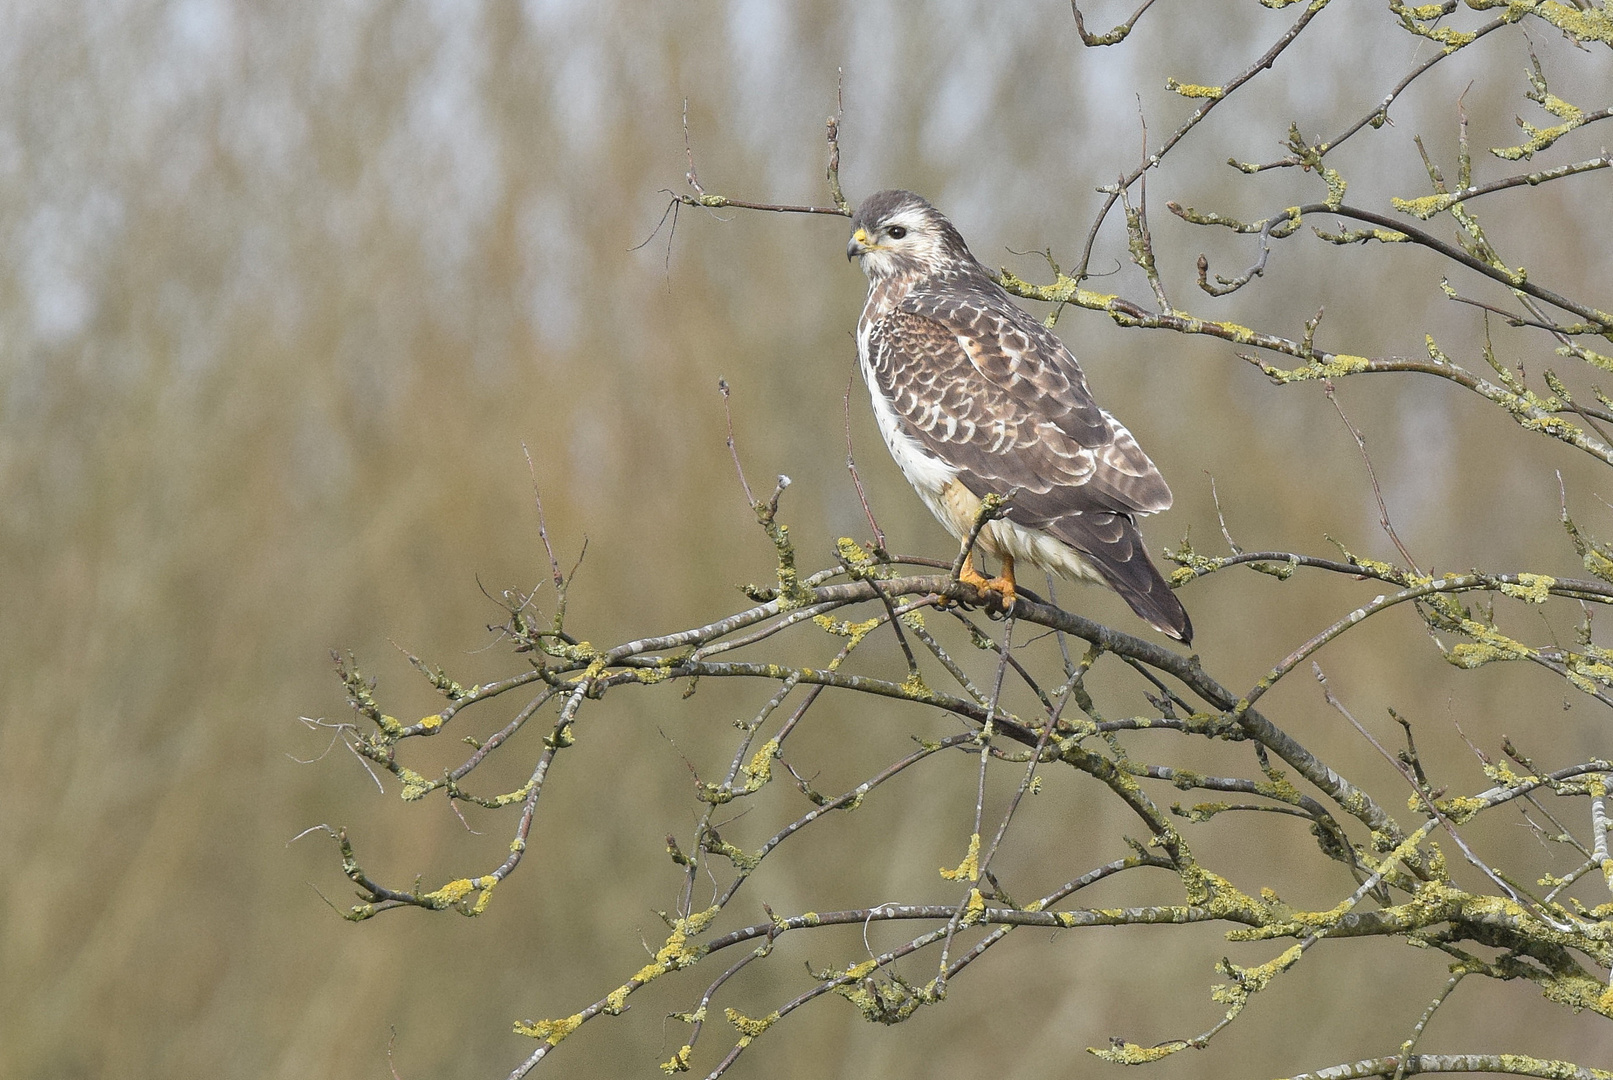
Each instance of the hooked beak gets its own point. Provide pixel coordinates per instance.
(858, 244)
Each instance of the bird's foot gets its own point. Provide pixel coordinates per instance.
(999, 592)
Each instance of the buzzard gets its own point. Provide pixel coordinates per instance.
(974, 397)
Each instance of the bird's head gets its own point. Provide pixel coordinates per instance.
(898, 233)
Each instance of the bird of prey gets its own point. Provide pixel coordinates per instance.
(974, 397)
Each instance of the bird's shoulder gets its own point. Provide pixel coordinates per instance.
(962, 330)
(970, 303)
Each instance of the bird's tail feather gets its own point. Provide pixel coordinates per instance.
(1113, 546)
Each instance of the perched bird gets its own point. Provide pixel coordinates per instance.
(974, 397)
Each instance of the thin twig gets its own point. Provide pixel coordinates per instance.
(1372, 475)
(733, 451)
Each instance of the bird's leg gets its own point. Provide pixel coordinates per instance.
(1002, 585)
(969, 575)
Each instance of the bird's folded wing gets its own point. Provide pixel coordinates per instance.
(1002, 400)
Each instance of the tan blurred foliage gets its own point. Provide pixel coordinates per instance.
(283, 291)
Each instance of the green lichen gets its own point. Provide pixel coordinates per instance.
(1210, 890)
(1361, 236)
(1192, 564)
(1523, 1065)
(1594, 555)
(888, 1002)
(1590, 356)
(1202, 812)
(741, 859)
(415, 786)
(791, 593)
(1277, 787)
(1210, 217)
(1579, 992)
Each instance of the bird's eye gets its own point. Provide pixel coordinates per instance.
(896, 232)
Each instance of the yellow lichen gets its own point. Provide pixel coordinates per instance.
(1534, 588)
(915, 688)
(1425, 206)
(1593, 24)
(969, 868)
(487, 894)
(862, 970)
(1193, 90)
(675, 955)
(1129, 1053)
(852, 632)
(1459, 809)
(975, 910)
(760, 769)
(1340, 365)
(862, 564)
(451, 893)
(748, 1027)
(1473, 655)
(1252, 980)
(550, 1031)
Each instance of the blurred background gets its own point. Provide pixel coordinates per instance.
(285, 288)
